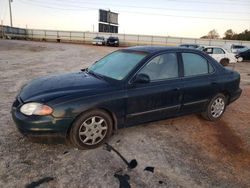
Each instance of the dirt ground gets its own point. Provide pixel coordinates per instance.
(185, 151)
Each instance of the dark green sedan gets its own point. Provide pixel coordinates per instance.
(127, 87)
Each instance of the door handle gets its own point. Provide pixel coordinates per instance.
(214, 83)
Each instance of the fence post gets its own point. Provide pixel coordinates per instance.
(26, 34)
(166, 41)
(124, 42)
(57, 33)
(137, 40)
(84, 37)
(2, 29)
(70, 36)
(45, 35)
(152, 40)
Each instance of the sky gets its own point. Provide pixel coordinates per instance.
(176, 18)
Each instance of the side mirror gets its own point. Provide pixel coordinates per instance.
(142, 78)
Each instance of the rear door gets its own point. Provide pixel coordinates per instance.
(199, 82)
(161, 97)
(218, 54)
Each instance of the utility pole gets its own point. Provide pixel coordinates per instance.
(10, 1)
(109, 30)
(2, 32)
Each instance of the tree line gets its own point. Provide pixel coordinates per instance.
(229, 35)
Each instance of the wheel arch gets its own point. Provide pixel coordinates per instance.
(227, 95)
(109, 112)
(225, 58)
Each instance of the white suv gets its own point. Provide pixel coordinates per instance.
(221, 55)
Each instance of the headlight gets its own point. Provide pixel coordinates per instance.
(116, 41)
(34, 108)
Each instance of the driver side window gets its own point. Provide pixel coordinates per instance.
(164, 66)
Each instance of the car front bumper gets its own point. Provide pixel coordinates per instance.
(97, 43)
(113, 43)
(42, 129)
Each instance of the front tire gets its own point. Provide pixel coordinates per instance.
(215, 108)
(240, 59)
(91, 129)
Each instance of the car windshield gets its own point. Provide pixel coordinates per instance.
(200, 48)
(118, 64)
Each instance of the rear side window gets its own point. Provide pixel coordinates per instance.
(218, 51)
(195, 64)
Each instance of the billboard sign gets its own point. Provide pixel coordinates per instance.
(108, 17)
(107, 28)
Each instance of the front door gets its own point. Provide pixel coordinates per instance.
(160, 97)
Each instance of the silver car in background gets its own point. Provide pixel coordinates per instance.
(98, 41)
(238, 48)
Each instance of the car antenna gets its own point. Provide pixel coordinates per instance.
(132, 164)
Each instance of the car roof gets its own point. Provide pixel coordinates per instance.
(213, 47)
(233, 45)
(248, 50)
(190, 44)
(153, 49)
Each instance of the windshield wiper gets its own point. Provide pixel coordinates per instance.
(93, 73)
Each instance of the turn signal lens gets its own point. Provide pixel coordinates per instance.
(43, 111)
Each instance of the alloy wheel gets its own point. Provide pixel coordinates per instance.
(217, 107)
(93, 130)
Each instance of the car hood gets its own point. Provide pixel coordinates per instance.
(48, 88)
(98, 40)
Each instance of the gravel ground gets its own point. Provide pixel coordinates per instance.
(185, 151)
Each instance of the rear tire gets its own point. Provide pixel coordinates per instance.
(91, 129)
(224, 62)
(215, 108)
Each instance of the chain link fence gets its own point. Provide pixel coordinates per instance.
(125, 39)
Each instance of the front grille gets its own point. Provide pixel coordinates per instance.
(17, 102)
